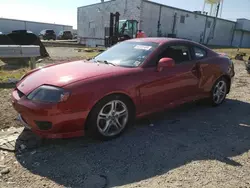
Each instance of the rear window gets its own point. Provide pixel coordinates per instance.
(50, 31)
(199, 53)
(67, 32)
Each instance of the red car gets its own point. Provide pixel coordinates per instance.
(132, 79)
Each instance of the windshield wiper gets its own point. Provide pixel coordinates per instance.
(104, 61)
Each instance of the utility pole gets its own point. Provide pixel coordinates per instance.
(102, 18)
(205, 29)
(217, 10)
(211, 34)
(159, 24)
(174, 23)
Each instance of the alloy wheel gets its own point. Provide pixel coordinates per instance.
(219, 92)
(112, 118)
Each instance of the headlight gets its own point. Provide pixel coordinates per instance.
(49, 94)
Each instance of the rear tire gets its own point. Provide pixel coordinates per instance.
(219, 92)
(110, 117)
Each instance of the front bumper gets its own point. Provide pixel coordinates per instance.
(48, 37)
(65, 123)
(22, 121)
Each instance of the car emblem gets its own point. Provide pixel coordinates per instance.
(22, 85)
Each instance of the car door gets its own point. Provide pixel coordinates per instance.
(172, 85)
(205, 66)
(188, 73)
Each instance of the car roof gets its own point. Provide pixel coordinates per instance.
(157, 39)
(160, 40)
(164, 40)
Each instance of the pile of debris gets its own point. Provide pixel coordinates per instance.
(248, 65)
(22, 37)
(240, 56)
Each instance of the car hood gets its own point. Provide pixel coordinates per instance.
(65, 73)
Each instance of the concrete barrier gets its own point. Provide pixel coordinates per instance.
(10, 52)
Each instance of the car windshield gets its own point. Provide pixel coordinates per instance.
(127, 54)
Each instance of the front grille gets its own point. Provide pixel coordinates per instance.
(20, 94)
(44, 125)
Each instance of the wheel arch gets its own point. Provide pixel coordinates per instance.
(122, 94)
(228, 79)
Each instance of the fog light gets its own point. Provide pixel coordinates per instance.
(44, 125)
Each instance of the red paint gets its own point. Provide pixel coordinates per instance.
(165, 63)
(151, 88)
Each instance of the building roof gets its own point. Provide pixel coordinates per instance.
(10, 19)
(160, 4)
(96, 4)
(186, 10)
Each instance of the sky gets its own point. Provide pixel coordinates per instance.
(65, 11)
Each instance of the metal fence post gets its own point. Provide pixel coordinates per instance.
(32, 63)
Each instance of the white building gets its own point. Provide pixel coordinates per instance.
(242, 33)
(8, 25)
(160, 20)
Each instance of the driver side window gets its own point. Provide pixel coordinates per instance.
(179, 53)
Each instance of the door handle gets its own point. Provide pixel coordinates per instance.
(194, 69)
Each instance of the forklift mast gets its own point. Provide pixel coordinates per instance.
(119, 30)
(114, 24)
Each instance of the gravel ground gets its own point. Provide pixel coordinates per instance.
(68, 53)
(190, 146)
(7, 113)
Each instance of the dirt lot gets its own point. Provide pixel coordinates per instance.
(190, 146)
(67, 53)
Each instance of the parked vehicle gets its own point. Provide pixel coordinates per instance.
(21, 31)
(132, 79)
(47, 34)
(75, 36)
(65, 35)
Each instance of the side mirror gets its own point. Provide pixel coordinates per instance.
(165, 62)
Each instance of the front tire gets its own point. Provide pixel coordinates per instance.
(110, 117)
(219, 92)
